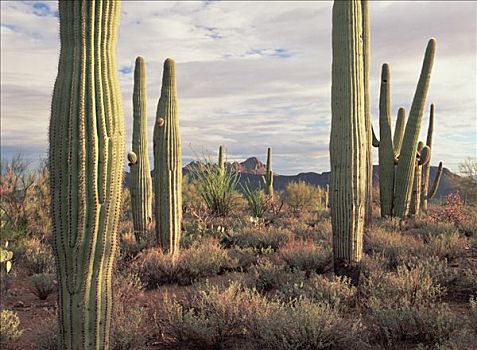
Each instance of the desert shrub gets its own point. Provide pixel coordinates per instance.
(209, 316)
(407, 287)
(201, 260)
(216, 187)
(301, 196)
(466, 283)
(37, 258)
(426, 227)
(267, 276)
(258, 239)
(42, 285)
(305, 325)
(129, 248)
(473, 312)
(128, 321)
(334, 291)
(452, 210)
(430, 325)
(317, 231)
(395, 247)
(191, 198)
(9, 325)
(48, 335)
(448, 246)
(256, 199)
(436, 268)
(306, 256)
(242, 259)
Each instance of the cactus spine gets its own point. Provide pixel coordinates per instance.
(269, 174)
(348, 141)
(406, 165)
(86, 157)
(140, 183)
(386, 151)
(168, 164)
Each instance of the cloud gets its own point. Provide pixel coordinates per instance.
(251, 74)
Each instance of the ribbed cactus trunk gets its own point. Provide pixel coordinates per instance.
(269, 174)
(426, 169)
(407, 158)
(386, 151)
(140, 181)
(416, 185)
(168, 164)
(348, 141)
(221, 163)
(367, 111)
(399, 133)
(86, 158)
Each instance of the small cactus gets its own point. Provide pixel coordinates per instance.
(269, 174)
(221, 163)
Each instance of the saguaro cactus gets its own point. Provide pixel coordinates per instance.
(140, 182)
(86, 158)
(406, 165)
(386, 151)
(348, 141)
(168, 164)
(269, 174)
(221, 163)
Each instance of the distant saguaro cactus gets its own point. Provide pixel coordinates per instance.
(140, 182)
(86, 159)
(269, 174)
(221, 163)
(168, 163)
(348, 141)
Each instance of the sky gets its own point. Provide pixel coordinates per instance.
(251, 75)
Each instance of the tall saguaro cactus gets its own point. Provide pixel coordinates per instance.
(406, 165)
(269, 174)
(140, 183)
(86, 158)
(386, 150)
(168, 163)
(348, 141)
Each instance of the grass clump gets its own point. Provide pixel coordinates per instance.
(42, 285)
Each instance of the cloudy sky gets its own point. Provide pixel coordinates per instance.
(251, 75)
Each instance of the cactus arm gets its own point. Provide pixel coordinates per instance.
(269, 174)
(426, 169)
(141, 182)
(375, 141)
(386, 152)
(399, 131)
(168, 164)
(86, 157)
(348, 141)
(435, 183)
(406, 165)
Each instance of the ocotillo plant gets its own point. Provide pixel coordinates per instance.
(269, 175)
(140, 183)
(406, 164)
(168, 164)
(426, 169)
(348, 141)
(86, 158)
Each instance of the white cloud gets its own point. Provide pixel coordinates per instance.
(251, 74)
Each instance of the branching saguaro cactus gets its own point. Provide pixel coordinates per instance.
(86, 158)
(168, 164)
(140, 183)
(269, 174)
(348, 141)
(406, 164)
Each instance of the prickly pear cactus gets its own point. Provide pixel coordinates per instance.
(168, 164)
(348, 141)
(269, 174)
(86, 158)
(140, 184)
(407, 157)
